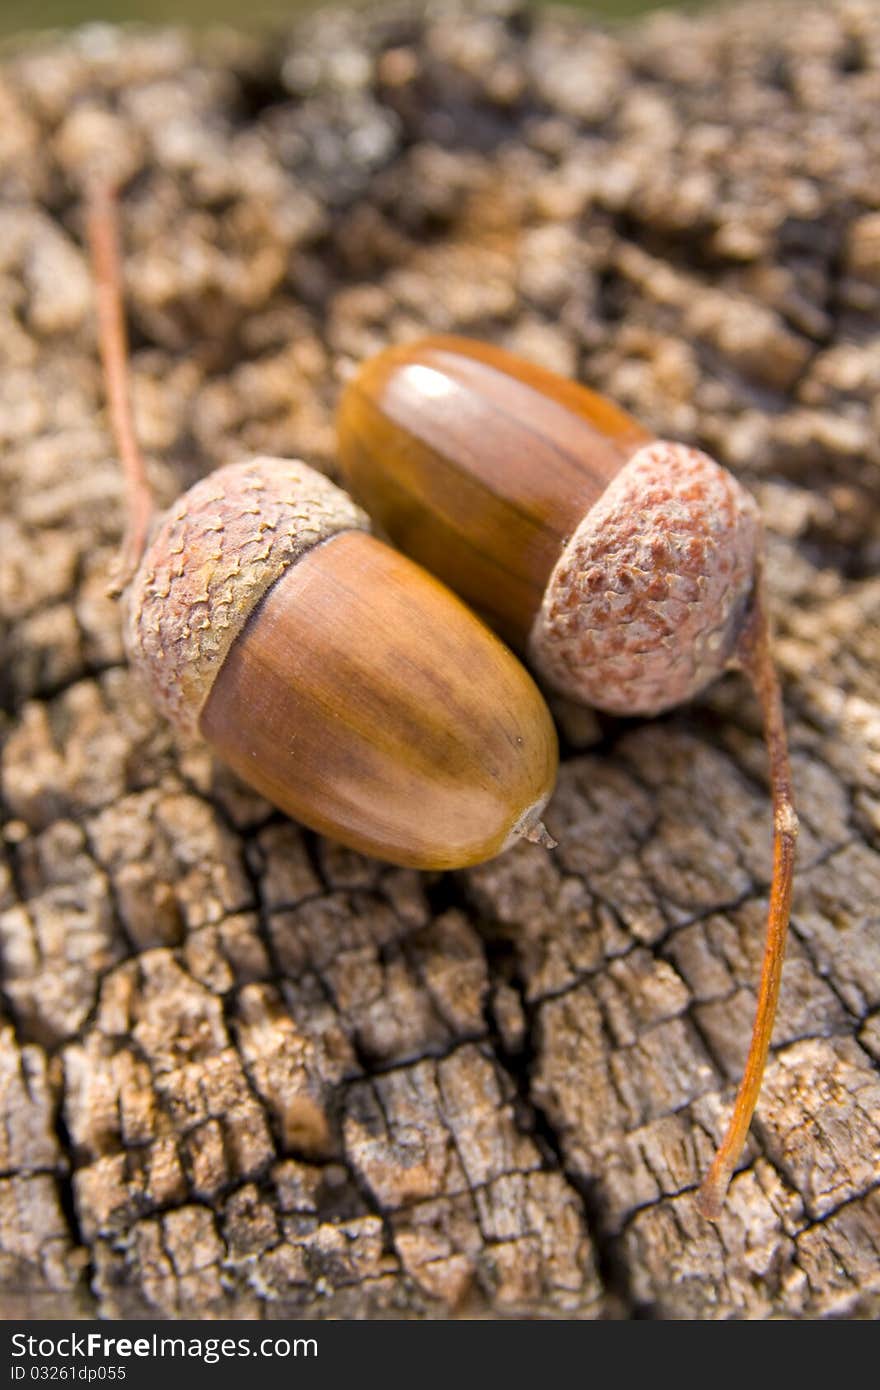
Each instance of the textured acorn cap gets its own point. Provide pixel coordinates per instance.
(644, 605)
(215, 554)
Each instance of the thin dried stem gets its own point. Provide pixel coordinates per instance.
(102, 219)
(755, 658)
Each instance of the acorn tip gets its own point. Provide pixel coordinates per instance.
(538, 834)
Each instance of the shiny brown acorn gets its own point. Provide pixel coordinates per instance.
(621, 564)
(334, 675)
(627, 568)
(338, 678)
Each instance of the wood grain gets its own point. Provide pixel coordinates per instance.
(246, 1072)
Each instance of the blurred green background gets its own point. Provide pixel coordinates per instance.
(22, 15)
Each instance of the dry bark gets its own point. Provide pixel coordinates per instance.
(246, 1072)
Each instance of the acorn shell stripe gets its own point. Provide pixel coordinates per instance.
(642, 608)
(216, 552)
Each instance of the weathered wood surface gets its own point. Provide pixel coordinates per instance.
(245, 1072)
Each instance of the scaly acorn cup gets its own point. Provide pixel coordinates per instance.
(340, 680)
(627, 568)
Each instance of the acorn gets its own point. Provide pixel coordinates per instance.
(620, 564)
(335, 676)
(628, 569)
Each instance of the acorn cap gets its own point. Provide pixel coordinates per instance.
(644, 606)
(215, 554)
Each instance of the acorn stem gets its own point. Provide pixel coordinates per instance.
(102, 222)
(755, 658)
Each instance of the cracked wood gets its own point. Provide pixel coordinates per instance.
(244, 1071)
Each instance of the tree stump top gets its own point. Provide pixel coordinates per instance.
(246, 1072)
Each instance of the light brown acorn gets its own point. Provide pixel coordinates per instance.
(337, 677)
(627, 568)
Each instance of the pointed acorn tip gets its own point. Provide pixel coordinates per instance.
(538, 834)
